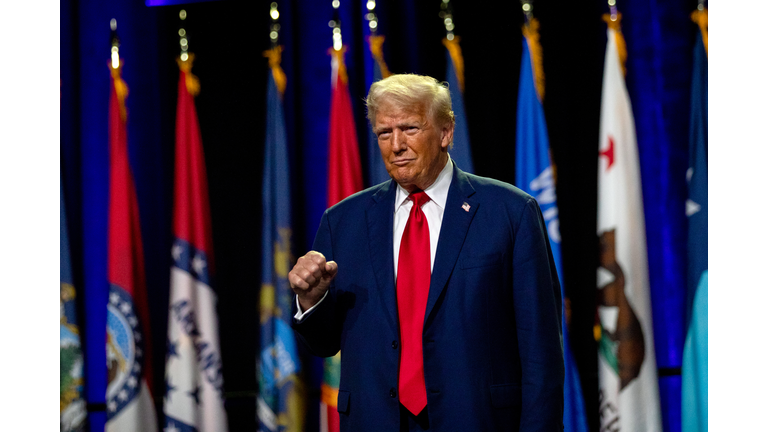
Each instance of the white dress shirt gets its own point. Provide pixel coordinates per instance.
(433, 210)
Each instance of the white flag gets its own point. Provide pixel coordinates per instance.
(628, 391)
(194, 397)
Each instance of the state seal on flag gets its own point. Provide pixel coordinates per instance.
(125, 352)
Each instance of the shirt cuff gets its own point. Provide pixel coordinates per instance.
(299, 314)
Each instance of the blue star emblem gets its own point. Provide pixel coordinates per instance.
(168, 388)
(171, 349)
(195, 394)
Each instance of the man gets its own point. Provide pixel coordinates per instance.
(438, 287)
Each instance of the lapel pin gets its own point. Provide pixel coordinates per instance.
(465, 206)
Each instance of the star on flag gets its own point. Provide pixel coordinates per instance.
(609, 153)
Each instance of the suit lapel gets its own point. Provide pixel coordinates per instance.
(458, 214)
(380, 221)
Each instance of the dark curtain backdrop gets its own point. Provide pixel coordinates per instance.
(228, 37)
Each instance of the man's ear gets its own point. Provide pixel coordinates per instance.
(446, 137)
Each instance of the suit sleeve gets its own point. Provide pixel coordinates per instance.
(320, 329)
(537, 307)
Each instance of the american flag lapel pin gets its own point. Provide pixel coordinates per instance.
(465, 206)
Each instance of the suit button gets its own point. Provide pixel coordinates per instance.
(394, 344)
(392, 392)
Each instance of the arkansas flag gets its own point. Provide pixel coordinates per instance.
(628, 387)
(130, 405)
(194, 399)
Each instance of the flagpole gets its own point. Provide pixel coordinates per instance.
(373, 20)
(115, 44)
(446, 13)
(274, 28)
(614, 11)
(183, 38)
(527, 9)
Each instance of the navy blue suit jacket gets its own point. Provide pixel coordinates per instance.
(492, 340)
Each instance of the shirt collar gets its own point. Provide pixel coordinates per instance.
(437, 192)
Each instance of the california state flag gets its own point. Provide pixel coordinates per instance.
(628, 391)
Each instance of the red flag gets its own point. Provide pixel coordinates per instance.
(191, 218)
(344, 172)
(344, 178)
(129, 360)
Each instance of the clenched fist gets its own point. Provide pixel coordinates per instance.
(311, 277)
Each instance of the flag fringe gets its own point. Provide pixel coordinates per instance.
(341, 67)
(701, 17)
(121, 88)
(531, 34)
(329, 395)
(275, 58)
(458, 60)
(376, 44)
(621, 44)
(191, 81)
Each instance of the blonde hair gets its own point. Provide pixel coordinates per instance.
(408, 91)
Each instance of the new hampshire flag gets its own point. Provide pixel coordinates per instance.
(534, 175)
(194, 395)
(628, 392)
(281, 402)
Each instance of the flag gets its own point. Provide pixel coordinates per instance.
(377, 172)
(72, 408)
(130, 405)
(628, 393)
(194, 398)
(344, 179)
(535, 175)
(695, 359)
(454, 74)
(344, 172)
(281, 400)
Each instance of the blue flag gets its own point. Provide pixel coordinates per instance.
(695, 360)
(377, 172)
(73, 411)
(534, 175)
(281, 400)
(454, 74)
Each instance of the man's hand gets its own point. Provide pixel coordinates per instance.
(311, 277)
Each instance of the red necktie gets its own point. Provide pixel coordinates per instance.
(413, 273)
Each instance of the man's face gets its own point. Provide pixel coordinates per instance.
(413, 147)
